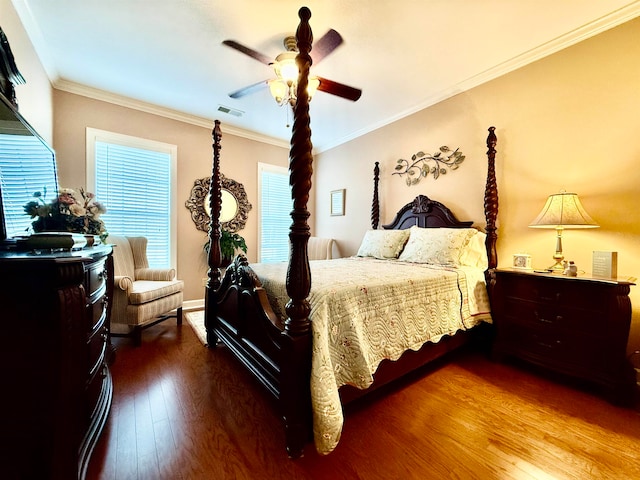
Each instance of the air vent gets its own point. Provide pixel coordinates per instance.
(230, 111)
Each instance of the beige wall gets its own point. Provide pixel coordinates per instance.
(35, 96)
(74, 113)
(569, 121)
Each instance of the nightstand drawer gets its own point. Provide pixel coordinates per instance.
(553, 317)
(557, 292)
(563, 350)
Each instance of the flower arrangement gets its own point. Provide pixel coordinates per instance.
(68, 212)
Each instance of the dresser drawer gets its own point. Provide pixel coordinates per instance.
(95, 390)
(97, 313)
(97, 350)
(96, 278)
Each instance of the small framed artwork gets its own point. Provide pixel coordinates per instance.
(521, 261)
(337, 202)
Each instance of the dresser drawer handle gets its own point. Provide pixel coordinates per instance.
(558, 318)
(553, 298)
(555, 344)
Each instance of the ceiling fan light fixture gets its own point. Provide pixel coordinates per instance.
(285, 66)
(312, 87)
(285, 92)
(279, 91)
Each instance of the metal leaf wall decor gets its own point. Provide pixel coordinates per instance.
(424, 164)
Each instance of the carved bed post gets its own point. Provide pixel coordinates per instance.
(214, 258)
(491, 200)
(297, 330)
(375, 205)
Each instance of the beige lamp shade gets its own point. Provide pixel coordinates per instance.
(563, 210)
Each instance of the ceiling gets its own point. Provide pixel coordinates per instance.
(167, 57)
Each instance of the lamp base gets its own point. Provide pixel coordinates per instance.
(557, 267)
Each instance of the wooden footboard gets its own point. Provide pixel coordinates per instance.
(240, 317)
(246, 324)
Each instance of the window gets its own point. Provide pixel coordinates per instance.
(26, 166)
(274, 213)
(135, 179)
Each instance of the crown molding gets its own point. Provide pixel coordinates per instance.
(101, 95)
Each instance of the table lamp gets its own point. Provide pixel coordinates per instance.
(562, 210)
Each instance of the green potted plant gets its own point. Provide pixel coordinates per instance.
(230, 244)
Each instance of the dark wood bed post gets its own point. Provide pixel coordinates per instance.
(296, 371)
(375, 204)
(491, 200)
(214, 259)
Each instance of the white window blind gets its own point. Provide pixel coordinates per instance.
(274, 212)
(26, 166)
(135, 183)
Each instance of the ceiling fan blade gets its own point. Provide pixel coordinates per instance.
(248, 51)
(325, 45)
(250, 89)
(339, 89)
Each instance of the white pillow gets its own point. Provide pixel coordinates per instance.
(383, 244)
(436, 246)
(475, 253)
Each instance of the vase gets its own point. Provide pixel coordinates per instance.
(49, 224)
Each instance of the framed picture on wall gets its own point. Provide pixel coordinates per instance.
(337, 202)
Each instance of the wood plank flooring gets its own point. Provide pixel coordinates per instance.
(182, 411)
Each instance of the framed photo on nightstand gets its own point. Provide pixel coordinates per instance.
(521, 261)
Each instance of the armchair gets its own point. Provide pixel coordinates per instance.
(142, 296)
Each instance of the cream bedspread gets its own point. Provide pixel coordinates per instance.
(364, 311)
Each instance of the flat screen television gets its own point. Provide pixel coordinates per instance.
(27, 165)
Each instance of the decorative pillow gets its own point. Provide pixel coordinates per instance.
(437, 246)
(383, 244)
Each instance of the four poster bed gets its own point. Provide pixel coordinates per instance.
(315, 333)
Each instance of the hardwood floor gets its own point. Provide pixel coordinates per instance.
(182, 411)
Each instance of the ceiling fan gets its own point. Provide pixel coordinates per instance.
(283, 86)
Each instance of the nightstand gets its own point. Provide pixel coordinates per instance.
(576, 326)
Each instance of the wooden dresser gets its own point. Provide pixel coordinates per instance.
(577, 326)
(55, 353)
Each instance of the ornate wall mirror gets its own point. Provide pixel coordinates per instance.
(235, 206)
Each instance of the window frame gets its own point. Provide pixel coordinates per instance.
(94, 135)
(277, 169)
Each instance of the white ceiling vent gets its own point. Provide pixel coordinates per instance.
(230, 111)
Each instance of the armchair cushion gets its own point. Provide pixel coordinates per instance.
(144, 291)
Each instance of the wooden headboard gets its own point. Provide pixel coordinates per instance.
(426, 213)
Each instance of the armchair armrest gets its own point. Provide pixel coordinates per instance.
(123, 282)
(156, 274)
